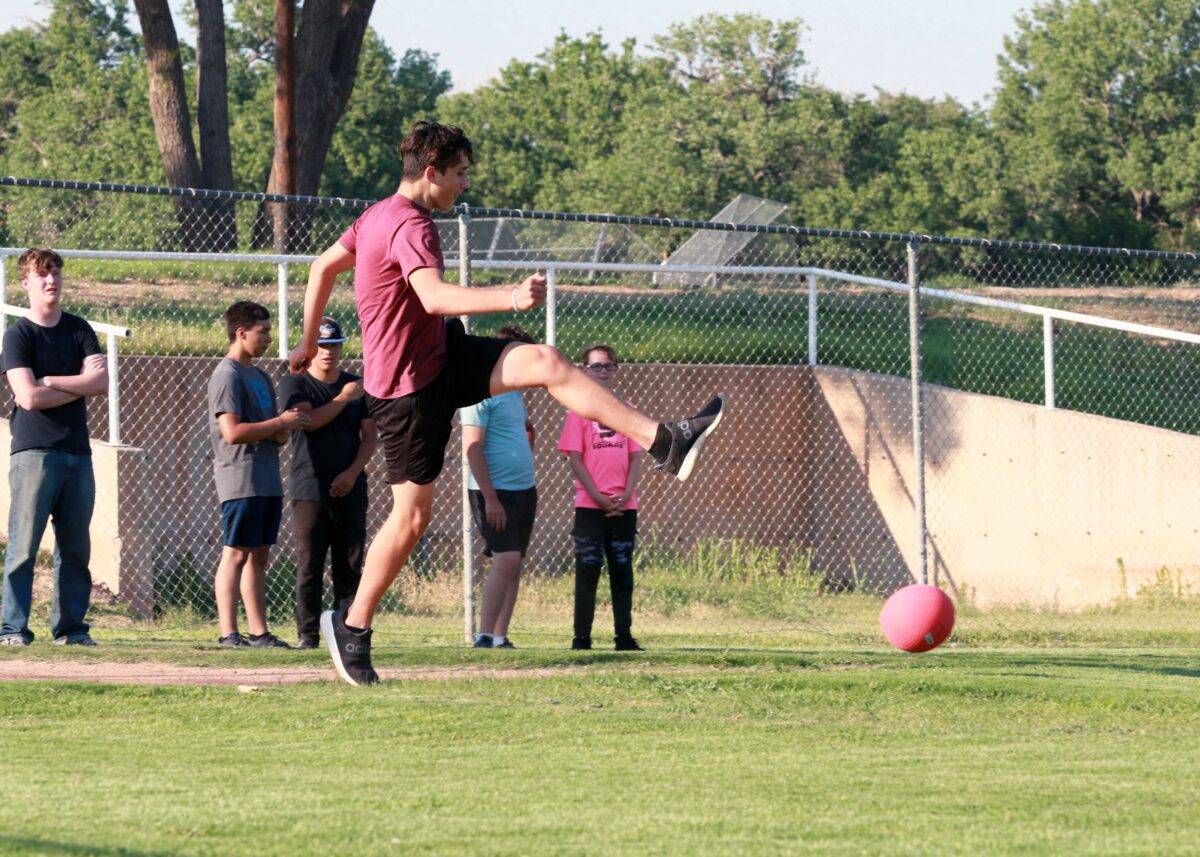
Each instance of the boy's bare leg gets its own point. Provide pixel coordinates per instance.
(254, 589)
(411, 504)
(510, 600)
(523, 365)
(502, 578)
(225, 587)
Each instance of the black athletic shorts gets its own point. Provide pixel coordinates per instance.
(415, 429)
(520, 508)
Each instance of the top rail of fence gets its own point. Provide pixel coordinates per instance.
(468, 210)
(98, 326)
(630, 267)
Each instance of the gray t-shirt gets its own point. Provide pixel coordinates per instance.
(242, 469)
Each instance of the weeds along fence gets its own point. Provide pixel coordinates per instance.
(1015, 423)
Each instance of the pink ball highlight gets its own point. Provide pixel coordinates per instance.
(917, 618)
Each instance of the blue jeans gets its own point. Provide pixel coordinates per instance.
(48, 484)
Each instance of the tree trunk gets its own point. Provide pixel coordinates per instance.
(212, 114)
(327, 49)
(284, 162)
(1143, 200)
(169, 110)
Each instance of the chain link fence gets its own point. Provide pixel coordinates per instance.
(1040, 460)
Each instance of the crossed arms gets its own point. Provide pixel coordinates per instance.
(39, 394)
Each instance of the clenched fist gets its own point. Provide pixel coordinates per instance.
(531, 293)
(300, 357)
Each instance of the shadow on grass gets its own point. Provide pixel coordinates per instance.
(17, 844)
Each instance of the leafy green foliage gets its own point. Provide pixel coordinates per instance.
(1091, 136)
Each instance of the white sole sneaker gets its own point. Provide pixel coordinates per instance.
(689, 460)
(331, 644)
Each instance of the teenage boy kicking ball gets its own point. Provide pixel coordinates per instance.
(420, 366)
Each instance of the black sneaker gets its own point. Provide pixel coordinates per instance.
(350, 650)
(483, 641)
(688, 438)
(581, 644)
(626, 643)
(77, 640)
(507, 644)
(308, 641)
(267, 641)
(233, 641)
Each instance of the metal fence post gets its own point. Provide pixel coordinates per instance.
(468, 539)
(282, 326)
(491, 253)
(918, 417)
(3, 295)
(114, 392)
(812, 319)
(552, 306)
(1048, 358)
(599, 248)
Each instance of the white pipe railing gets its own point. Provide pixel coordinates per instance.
(1047, 314)
(281, 300)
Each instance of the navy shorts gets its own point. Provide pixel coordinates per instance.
(251, 522)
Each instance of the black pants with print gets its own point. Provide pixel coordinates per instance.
(599, 537)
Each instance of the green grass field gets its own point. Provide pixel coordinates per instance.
(704, 751)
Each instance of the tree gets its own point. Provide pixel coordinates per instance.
(390, 94)
(1096, 114)
(328, 45)
(544, 121)
(731, 113)
(203, 224)
(75, 106)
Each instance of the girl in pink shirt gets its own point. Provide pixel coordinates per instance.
(605, 464)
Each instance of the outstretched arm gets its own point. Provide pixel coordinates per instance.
(321, 276)
(442, 298)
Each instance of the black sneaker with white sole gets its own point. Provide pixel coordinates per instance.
(267, 641)
(308, 641)
(688, 438)
(349, 649)
(483, 641)
(76, 640)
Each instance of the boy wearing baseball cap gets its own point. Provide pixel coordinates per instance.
(327, 489)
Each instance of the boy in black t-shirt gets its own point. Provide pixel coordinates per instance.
(327, 489)
(53, 361)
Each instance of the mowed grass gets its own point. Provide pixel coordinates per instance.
(848, 751)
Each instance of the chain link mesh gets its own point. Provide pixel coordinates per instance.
(1061, 456)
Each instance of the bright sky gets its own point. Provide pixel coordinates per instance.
(928, 48)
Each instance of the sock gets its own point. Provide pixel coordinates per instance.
(258, 636)
(661, 448)
(498, 640)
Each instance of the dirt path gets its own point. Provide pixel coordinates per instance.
(151, 673)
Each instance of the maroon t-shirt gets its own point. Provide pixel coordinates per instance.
(404, 347)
